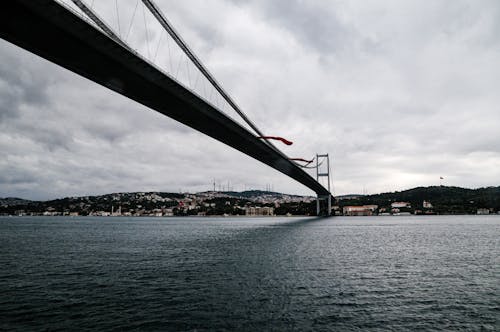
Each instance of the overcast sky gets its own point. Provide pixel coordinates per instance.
(399, 93)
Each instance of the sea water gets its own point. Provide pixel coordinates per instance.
(250, 274)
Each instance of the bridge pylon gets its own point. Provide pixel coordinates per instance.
(323, 173)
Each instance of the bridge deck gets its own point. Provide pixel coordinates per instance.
(47, 29)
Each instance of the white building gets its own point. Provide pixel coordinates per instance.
(361, 210)
(399, 205)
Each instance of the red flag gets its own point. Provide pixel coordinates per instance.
(285, 141)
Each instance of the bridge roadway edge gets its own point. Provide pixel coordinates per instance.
(47, 29)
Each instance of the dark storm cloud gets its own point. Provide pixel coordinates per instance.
(14, 176)
(51, 137)
(19, 85)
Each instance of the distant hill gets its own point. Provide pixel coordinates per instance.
(13, 201)
(252, 194)
(349, 196)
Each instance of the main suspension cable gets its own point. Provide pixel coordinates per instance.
(97, 20)
(153, 8)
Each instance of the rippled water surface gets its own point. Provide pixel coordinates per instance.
(343, 274)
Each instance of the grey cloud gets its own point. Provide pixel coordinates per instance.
(15, 176)
(19, 83)
(398, 93)
(311, 23)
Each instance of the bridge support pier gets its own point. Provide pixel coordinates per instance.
(324, 173)
(328, 203)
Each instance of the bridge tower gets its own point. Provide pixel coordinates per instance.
(323, 173)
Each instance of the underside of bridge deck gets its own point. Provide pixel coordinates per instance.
(49, 30)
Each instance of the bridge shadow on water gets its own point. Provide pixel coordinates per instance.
(269, 273)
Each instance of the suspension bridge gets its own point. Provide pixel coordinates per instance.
(76, 35)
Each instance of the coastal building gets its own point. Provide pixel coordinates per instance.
(116, 213)
(156, 213)
(399, 205)
(336, 210)
(259, 211)
(360, 210)
(427, 205)
(483, 211)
